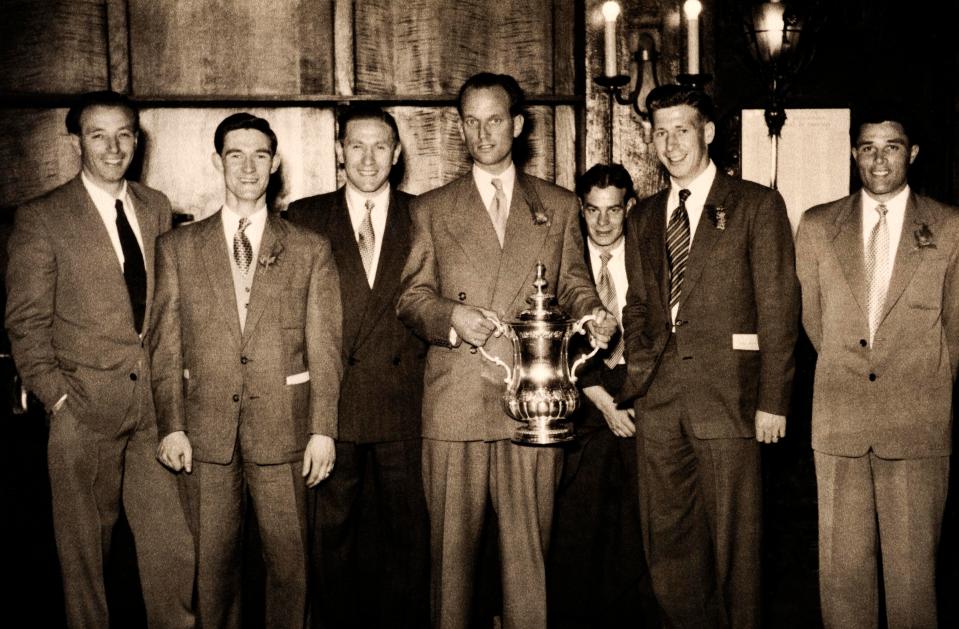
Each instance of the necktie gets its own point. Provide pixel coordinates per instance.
(607, 294)
(499, 210)
(134, 272)
(677, 248)
(877, 268)
(242, 249)
(365, 238)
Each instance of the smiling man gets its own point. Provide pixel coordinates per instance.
(881, 306)
(711, 319)
(246, 362)
(373, 572)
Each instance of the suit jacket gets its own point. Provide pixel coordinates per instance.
(382, 390)
(456, 259)
(895, 397)
(272, 385)
(68, 310)
(739, 280)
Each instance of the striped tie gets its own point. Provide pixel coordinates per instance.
(242, 249)
(365, 238)
(607, 294)
(877, 269)
(499, 211)
(677, 248)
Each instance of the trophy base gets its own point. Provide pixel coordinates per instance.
(543, 432)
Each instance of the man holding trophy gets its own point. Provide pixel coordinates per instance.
(474, 255)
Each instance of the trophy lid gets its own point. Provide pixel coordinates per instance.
(543, 305)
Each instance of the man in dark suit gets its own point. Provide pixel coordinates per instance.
(476, 244)
(246, 355)
(79, 295)
(596, 572)
(710, 321)
(879, 272)
(373, 572)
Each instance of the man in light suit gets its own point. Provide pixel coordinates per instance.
(246, 357)
(710, 321)
(372, 573)
(881, 306)
(79, 295)
(476, 242)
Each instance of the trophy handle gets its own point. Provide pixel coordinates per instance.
(504, 329)
(579, 328)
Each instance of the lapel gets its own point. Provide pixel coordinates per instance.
(354, 289)
(654, 247)
(847, 246)
(469, 224)
(908, 255)
(147, 220)
(706, 236)
(267, 280)
(216, 260)
(522, 246)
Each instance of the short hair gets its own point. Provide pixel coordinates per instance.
(675, 95)
(243, 120)
(366, 111)
(105, 98)
(486, 80)
(884, 111)
(606, 176)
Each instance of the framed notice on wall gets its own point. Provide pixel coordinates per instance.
(813, 156)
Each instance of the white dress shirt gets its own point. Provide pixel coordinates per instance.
(356, 203)
(698, 191)
(253, 231)
(484, 183)
(895, 216)
(106, 205)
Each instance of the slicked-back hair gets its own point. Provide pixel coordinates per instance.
(878, 112)
(606, 176)
(675, 95)
(365, 111)
(105, 98)
(486, 80)
(243, 120)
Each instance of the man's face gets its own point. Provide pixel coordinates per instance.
(682, 140)
(605, 214)
(368, 153)
(106, 144)
(487, 128)
(246, 163)
(883, 155)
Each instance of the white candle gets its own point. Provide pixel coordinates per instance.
(610, 13)
(692, 9)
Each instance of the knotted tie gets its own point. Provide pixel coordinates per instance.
(365, 238)
(242, 249)
(877, 268)
(607, 294)
(677, 248)
(134, 272)
(499, 211)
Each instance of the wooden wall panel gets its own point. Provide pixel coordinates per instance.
(238, 47)
(36, 152)
(53, 46)
(179, 149)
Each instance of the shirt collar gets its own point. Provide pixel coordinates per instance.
(698, 187)
(102, 198)
(595, 251)
(484, 179)
(356, 199)
(895, 205)
(231, 219)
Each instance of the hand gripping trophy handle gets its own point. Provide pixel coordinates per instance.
(580, 327)
(505, 331)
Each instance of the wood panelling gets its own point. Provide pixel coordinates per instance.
(53, 46)
(36, 152)
(237, 47)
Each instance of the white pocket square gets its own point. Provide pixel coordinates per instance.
(298, 378)
(747, 342)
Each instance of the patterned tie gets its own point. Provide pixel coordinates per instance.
(607, 294)
(677, 248)
(365, 238)
(134, 272)
(499, 211)
(877, 269)
(242, 249)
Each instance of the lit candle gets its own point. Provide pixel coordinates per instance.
(692, 9)
(610, 13)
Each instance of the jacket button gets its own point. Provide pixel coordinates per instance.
(462, 296)
(243, 360)
(351, 361)
(680, 323)
(863, 342)
(236, 397)
(396, 360)
(872, 377)
(133, 377)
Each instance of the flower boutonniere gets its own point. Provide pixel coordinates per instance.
(924, 237)
(717, 214)
(266, 260)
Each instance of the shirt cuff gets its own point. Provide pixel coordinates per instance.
(453, 338)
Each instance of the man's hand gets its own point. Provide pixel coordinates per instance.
(770, 428)
(475, 325)
(602, 329)
(318, 459)
(620, 422)
(175, 452)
